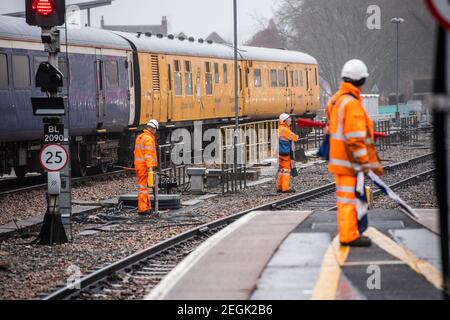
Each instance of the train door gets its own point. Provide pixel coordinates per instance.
(308, 88)
(100, 87)
(242, 90)
(310, 80)
(131, 90)
(288, 92)
(208, 97)
(293, 88)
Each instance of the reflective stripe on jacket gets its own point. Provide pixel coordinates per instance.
(145, 150)
(351, 130)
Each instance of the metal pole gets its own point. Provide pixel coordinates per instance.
(397, 114)
(65, 196)
(89, 17)
(236, 92)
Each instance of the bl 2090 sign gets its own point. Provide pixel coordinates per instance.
(53, 157)
(53, 133)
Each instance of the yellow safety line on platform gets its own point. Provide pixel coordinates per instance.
(330, 271)
(422, 267)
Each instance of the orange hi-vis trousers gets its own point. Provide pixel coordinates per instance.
(347, 216)
(284, 174)
(143, 190)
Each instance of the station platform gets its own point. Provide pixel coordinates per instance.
(289, 255)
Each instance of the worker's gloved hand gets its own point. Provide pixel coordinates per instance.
(150, 178)
(365, 168)
(379, 171)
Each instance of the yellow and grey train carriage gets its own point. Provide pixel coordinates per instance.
(179, 81)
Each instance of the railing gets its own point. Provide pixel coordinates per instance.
(233, 181)
(172, 176)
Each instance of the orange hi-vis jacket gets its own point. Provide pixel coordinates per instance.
(145, 151)
(352, 141)
(285, 133)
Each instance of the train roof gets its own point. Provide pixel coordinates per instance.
(12, 28)
(276, 55)
(178, 47)
(186, 47)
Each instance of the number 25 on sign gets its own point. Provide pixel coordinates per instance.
(53, 157)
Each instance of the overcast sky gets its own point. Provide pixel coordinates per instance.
(196, 18)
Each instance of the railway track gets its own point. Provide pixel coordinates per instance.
(134, 276)
(35, 183)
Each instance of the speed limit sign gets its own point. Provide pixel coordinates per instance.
(441, 11)
(53, 157)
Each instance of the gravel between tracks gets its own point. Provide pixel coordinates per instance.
(421, 195)
(27, 270)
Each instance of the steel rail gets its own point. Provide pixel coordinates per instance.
(98, 275)
(75, 181)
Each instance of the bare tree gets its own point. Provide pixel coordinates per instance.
(335, 31)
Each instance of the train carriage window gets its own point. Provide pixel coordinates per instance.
(216, 73)
(4, 82)
(177, 78)
(292, 78)
(317, 77)
(301, 78)
(257, 78)
(281, 78)
(225, 74)
(307, 79)
(99, 74)
(21, 71)
(112, 74)
(247, 72)
(273, 78)
(130, 69)
(208, 77)
(296, 78)
(188, 78)
(169, 78)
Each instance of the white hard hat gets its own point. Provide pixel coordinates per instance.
(355, 70)
(284, 117)
(153, 124)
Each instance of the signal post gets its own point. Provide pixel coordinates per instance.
(55, 156)
(441, 114)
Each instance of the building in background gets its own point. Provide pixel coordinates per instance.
(214, 37)
(153, 29)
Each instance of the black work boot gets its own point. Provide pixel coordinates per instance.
(360, 242)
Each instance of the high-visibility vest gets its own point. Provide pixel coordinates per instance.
(352, 141)
(285, 136)
(145, 151)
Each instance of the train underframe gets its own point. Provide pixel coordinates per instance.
(94, 152)
(98, 152)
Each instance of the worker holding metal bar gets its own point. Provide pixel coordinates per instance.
(145, 163)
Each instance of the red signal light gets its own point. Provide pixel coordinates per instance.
(43, 7)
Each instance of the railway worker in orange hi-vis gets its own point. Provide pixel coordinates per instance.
(145, 162)
(352, 150)
(285, 154)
